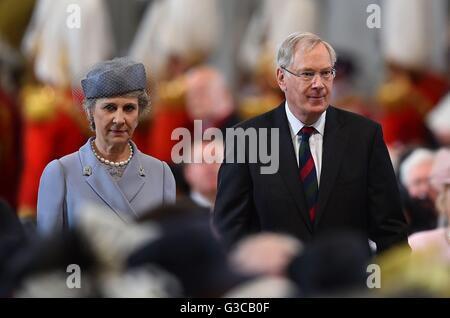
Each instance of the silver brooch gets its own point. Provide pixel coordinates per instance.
(87, 170)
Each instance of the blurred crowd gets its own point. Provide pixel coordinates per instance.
(174, 251)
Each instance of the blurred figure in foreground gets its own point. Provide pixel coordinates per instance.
(334, 264)
(265, 254)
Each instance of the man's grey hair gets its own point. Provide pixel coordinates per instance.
(306, 41)
(143, 104)
(417, 157)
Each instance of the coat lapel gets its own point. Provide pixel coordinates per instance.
(334, 142)
(289, 165)
(102, 183)
(134, 176)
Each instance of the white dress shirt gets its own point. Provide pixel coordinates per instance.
(200, 199)
(315, 141)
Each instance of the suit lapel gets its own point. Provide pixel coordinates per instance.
(104, 186)
(132, 180)
(288, 165)
(334, 142)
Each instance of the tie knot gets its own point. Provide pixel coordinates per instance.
(306, 132)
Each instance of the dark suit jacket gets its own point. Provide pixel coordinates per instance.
(358, 189)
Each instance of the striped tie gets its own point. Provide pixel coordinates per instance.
(308, 171)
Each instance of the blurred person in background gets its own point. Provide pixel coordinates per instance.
(437, 240)
(174, 36)
(265, 31)
(418, 196)
(438, 121)
(109, 169)
(210, 102)
(411, 87)
(344, 95)
(209, 99)
(202, 172)
(14, 17)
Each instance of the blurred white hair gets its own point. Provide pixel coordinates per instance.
(417, 157)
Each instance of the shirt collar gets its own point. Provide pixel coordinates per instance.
(200, 199)
(296, 124)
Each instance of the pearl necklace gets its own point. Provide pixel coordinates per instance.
(112, 163)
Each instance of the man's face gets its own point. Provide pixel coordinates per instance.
(418, 181)
(202, 174)
(202, 177)
(307, 99)
(200, 97)
(207, 97)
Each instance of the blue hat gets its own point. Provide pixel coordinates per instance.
(113, 78)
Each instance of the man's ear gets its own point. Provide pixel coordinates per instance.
(281, 79)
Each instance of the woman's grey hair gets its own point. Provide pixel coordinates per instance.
(306, 41)
(143, 104)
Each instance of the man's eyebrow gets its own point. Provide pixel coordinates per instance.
(308, 69)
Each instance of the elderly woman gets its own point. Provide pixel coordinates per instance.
(437, 239)
(108, 170)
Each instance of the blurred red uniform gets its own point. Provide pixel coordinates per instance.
(9, 148)
(169, 114)
(54, 126)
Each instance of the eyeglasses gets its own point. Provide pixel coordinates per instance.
(308, 76)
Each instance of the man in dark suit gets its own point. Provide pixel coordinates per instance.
(334, 169)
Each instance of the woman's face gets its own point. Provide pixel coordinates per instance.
(115, 119)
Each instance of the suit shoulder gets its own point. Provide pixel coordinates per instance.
(60, 166)
(263, 120)
(70, 159)
(52, 169)
(153, 164)
(149, 161)
(354, 118)
(52, 165)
